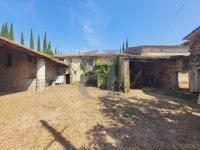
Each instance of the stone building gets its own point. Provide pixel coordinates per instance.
(153, 66)
(194, 71)
(24, 69)
(75, 60)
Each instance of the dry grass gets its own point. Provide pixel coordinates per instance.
(61, 118)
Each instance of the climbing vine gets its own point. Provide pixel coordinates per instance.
(101, 69)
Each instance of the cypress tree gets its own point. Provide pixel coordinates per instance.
(45, 42)
(56, 50)
(126, 43)
(22, 38)
(38, 44)
(11, 34)
(31, 40)
(2, 30)
(6, 33)
(49, 46)
(123, 49)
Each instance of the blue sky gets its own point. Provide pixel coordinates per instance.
(81, 25)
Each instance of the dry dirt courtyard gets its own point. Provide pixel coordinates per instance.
(61, 118)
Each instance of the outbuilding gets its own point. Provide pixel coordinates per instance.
(23, 69)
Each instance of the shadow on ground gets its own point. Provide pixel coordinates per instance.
(136, 123)
(57, 137)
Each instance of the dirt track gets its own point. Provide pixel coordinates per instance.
(61, 118)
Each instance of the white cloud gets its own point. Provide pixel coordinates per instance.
(92, 20)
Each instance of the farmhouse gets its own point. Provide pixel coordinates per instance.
(75, 61)
(194, 71)
(151, 65)
(24, 69)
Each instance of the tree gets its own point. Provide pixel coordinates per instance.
(11, 34)
(3, 30)
(55, 51)
(45, 42)
(22, 38)
(120, 50)
(38, 44)
(83, 66)
(6, 32)
(123, 48)
(127, 43)
(48, 51)
(31, 40)
(187, 43)
(49, 46)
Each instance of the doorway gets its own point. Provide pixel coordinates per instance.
(183, 80)
(67, 76)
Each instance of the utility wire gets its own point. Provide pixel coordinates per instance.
(173, 19)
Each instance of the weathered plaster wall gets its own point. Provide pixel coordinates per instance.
(158, 51)
(20, 75)
(51, 71)
(76, 70)
(124, 74)
(40, 75)
(165, 52)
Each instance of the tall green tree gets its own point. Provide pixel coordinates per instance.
(6, 32)
(22, 38)
(127, 43)
(123, 48)
(31, 40)
(55, 51)
(2, 30)
(49, 46)
(38, 44)
(11, 34)
(45, 42)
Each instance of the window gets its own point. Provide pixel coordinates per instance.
(30, 58)
(90, 62)
(9, 63)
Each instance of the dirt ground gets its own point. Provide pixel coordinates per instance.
(61, 118)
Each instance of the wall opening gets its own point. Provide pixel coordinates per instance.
(156, 74)
(9, 63)
(67, 76)
(183, 80)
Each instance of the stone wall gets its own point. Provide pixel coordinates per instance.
(194, 71)
(19, 73)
